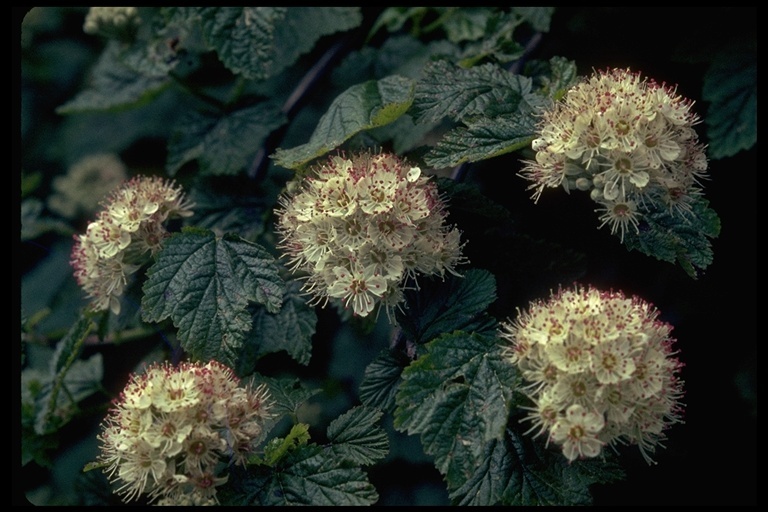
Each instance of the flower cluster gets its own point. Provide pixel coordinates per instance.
(600, 370)
(118, 242)
(628, 141)
(116, 22)
(172, 427)
(360, 226)
(86, 182)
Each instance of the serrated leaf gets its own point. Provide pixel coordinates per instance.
(259, 42)
(304, 26)
(205, 284)
(308, 475)
(357, 437)
(287, 394)
(457, 397)
(515, 471)
(673, 238)
(361, 107)
(243, 37)
(381, 379)
(730, 84)
(447, 90)
(442, 306)
(483, 139)
(553, 77)
(68, 380)
(316, 477)
(114, 85)
(290, 329)
(498, 44)
(544, 477)
(223, 144)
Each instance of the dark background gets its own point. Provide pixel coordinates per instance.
(710, 460)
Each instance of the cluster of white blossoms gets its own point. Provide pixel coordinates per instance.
(114, 22)
(600, 370)
(173, 430)
(360, 226)
(126, 232)
(630, 142)
(86, 182)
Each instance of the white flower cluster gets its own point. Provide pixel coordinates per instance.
(628, 141)
(113, 22)
(117, 243)
(360, 226)
(172, 427)
(600, 370)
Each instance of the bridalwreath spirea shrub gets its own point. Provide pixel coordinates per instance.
(231, 196)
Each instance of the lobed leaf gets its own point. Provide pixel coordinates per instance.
(483, 139)
(457, 397)
(310, 476)
(730, 84)
(447, 90)
(243, 37)
(290, 329)
(672, 238)
(356, 436)
(223, 144)
(205, 284)
(443, 306)
(361, 107)
(114, 85)
(287, 394)
(516, 470)
(381, 379)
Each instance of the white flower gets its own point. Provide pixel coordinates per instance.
(600, 363)
(577, 432)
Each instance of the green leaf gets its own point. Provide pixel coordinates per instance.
(381, 379)
(673, 238)
(68, 381)
(259, 42)
(554, 77)
(539, 17)
(356, 436)
(205, 284)
(361, 107)
(442, 306)
(243, 37)
(308, 475)
(457, 397)
(465, 23)
(517, 471)
(304, 26)
(114, 85)
(730, 85)
(290, 329)
(279, 447)
(223, 144)
(450, 91)
(483, 139)
(287, 394)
